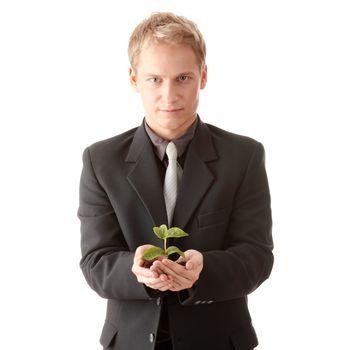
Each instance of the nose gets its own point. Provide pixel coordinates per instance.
(169, 93)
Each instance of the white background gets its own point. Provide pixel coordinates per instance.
(278, 72)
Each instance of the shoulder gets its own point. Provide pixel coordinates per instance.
(226, 141)
(114, 143)
(111, 148)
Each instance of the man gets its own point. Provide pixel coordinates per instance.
(222, 202)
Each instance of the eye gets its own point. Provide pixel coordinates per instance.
(154, 80)
(184, 77)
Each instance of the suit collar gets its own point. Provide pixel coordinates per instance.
(197, 177)
(138, 143)
(144, 176)
(203, 143)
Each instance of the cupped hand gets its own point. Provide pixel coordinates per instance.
(152, 278)
(180, 276)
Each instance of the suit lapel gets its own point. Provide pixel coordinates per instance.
(144, 176)
(197, 177)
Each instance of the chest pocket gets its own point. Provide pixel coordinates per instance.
(215, 218)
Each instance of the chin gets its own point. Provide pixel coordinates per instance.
(174, 123)
(171, 122)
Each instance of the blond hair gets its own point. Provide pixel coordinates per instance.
(169, 28)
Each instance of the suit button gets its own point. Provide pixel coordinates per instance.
(210, 301)
(204, 302)
(197, 302)
(159, 301)
(151, 337)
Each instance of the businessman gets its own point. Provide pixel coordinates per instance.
(174, 169)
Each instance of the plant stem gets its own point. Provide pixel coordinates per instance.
(165, 248)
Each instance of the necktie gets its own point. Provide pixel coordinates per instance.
(170, 181)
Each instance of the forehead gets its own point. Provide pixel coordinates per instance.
(165, 57)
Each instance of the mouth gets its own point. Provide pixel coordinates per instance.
(170, 110)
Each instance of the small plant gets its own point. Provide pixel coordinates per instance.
(164, 233)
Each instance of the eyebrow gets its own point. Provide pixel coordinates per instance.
(158, 75)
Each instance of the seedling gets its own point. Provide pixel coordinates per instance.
(164, 233)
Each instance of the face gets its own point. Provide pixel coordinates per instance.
(168, 79)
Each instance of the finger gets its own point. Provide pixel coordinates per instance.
(144, 272)
(156, 269)
(161, 268)
(148, 277)
(177, 285)
(151, 282)
(175, 269)
(163, 277)
(160, 285)
(184, 280)
(164, 289)
(171, 265)
(177, 281)
(189, 265)
(194, 259)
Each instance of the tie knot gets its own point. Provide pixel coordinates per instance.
(171, 151)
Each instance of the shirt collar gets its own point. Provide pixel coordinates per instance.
(181, 143)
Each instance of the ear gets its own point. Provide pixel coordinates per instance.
(204, 76)
(133, 79)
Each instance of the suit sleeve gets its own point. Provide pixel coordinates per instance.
(247, 260)
(106, 260)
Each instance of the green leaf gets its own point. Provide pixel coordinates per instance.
(152, 253)
(160, 231)
(172, 249)
(176, 232)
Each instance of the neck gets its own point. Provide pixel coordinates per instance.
(170, 134)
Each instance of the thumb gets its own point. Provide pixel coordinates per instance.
(194, 259)
(189, 265)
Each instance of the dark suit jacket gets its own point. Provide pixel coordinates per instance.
(224, 205)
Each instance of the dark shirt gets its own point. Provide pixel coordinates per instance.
(181, 143)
